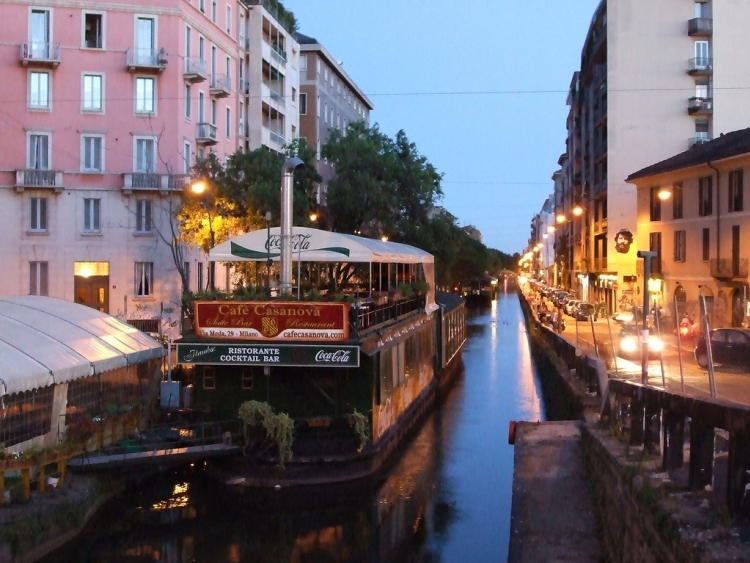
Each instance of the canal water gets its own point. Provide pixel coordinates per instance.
(447, 499)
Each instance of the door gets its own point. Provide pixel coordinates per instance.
(145, 41)
(92, 291)
(719, 349)
(701, 54)
(736, 251)
(39, 34)
(736, 348)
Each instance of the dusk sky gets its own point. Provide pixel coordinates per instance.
(479, 86)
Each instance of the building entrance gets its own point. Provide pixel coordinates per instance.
(91, 285)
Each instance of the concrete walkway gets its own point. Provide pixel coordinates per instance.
(552, 514)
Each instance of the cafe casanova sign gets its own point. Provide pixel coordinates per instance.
(268, 355)
(272, 320)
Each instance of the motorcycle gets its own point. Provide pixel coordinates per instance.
(687, 330)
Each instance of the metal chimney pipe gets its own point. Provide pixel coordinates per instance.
(287, 198)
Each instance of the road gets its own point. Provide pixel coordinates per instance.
(732, 384)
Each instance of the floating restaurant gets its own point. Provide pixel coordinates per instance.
(351, 353)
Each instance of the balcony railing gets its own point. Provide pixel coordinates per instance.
(151, 181)
(700, 106)
(698, 140)
(32, 178)
(728, 268)
(40, 54)
(368, 315)
(149, 326)
(146, 60)
(278, 54)
(277, 138)
(195, 70)
(700, 66)
(221, 86)
(700, 27)
(206, 134)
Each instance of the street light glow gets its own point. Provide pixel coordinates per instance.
(384, 238)
(198, 187)
(561, 218)
(578, 211)
(551, 229)
(664, 194)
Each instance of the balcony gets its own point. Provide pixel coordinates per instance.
(40, 54)
(698, 140)
(728, 268)
(205, 134)
(195, 70)
(32, 178)
(700, 66)
(278, 54)
(146, 60)
(221, 86)
(700, 27)
(150, 182)
(700, 106)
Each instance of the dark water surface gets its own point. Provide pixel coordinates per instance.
(446, 500)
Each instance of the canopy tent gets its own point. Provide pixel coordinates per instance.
(44, 341)
(314, 245)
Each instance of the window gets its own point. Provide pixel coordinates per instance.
(201, 104)
(186, 268)
(213, 112)
(38, 280)
(229, 20)
(200, 276)
(677, 212)
(735, 191)
(209, 377)
(91, 153)
(701, 54)
(655, 204)
(187, 156)
(294, 94)
(145, 102)
(92, 92)
(144, 274)
(91, 208)
(705, 196)
(145, 39)
(229, 123)
(654, 245)
(93, 31)
(38, 214)
(202, 6)
(39, 145)
(143, 216)
(303, 104)
(303, 63)
(144, 155)
(679, 246)
(188, 101)
(213, 11)
(706, 243)
(40, 36)
(701, 88)
(247, 380)
(39, 90)
(701, 9)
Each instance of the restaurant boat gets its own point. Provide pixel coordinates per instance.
(351, 358)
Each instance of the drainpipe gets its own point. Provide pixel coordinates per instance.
(718, 211)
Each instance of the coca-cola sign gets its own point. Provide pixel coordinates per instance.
(268, 354)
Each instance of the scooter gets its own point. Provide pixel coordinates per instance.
(687, 330)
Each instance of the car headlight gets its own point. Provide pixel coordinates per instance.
(629, 344)
(655, 344)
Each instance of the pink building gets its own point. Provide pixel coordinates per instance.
(105, 109)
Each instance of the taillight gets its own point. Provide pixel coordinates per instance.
(684, 330)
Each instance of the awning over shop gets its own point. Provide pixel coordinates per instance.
(313, 245)
(45, 341)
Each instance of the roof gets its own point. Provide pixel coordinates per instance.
(726, 146)
(317, 246)
(307, 43)
(45, 341)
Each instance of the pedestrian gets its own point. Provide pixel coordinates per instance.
(555, 319)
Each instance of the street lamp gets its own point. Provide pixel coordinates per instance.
(200, 187)
(664, 194)
(287, 195)
(268, 254)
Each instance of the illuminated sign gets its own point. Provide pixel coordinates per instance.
(272, 320)
(268, 354)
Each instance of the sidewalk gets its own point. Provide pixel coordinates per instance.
(552, 513)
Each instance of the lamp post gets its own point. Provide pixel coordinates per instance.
(268, 254)
(200, 188)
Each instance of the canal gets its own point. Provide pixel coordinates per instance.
(447, 499)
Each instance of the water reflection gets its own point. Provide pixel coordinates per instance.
(447, 499)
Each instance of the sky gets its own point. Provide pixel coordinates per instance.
(480, 86)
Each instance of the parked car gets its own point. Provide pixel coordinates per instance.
(729, 347)
(630, 343)
(570, 305)
(584, 310)
(559, 296)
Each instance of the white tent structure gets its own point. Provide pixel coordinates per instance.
(314, 245)
(46, 341)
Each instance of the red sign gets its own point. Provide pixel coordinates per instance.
(614, 285)
(272, 320)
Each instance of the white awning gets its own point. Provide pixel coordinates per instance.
(314, 245)
(45, 341)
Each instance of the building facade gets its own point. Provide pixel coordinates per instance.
(654, 81)
(692, 213)
(330, 100)
(106, 108)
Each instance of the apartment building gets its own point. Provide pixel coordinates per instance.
(329, 99)
(106, 106)
(654, 80)
(691, 212)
